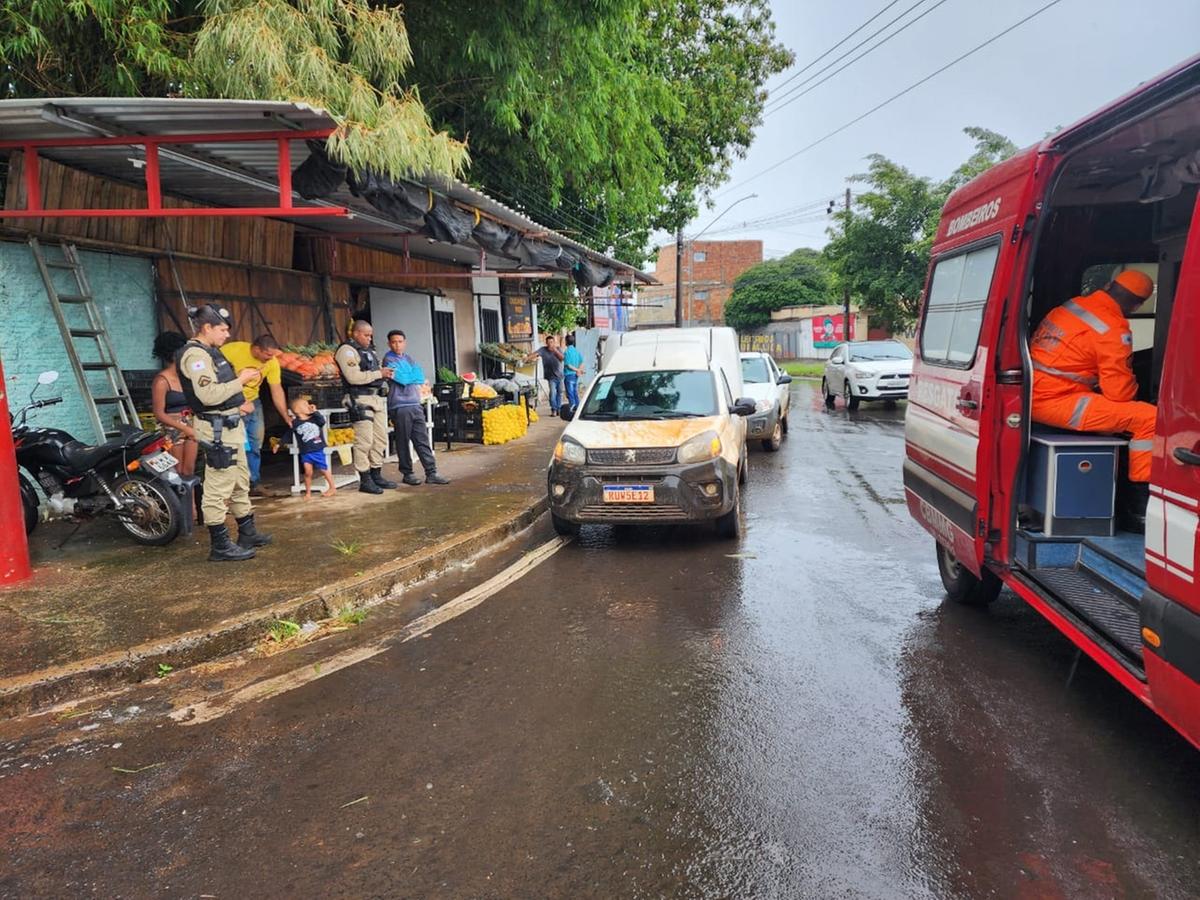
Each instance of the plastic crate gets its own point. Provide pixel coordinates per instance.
(325, 394)
(448, 393)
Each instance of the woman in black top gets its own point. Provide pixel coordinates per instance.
(169, 405)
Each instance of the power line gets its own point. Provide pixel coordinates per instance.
(792, 96)
(896, 96)
(821, 56)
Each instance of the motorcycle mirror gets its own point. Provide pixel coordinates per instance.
(48, 377)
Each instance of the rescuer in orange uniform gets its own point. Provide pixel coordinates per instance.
(1083, 375)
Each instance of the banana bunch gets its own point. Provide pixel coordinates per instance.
(503, 424)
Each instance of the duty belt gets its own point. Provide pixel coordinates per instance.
(227, 420)
(367, 390)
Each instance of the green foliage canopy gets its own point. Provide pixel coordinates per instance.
(880, 248)
(801, 278)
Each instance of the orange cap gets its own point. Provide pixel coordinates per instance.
(1137, 283)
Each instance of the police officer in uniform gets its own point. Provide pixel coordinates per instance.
(366, 383)
(214, 393)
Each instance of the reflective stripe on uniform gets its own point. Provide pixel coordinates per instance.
(1076, 419)
(1136, 446)
(1089, 380)
(1090, 319)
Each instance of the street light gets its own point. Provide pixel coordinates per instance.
(679, 256)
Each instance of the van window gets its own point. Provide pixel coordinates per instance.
(954, 314)
(652, 395)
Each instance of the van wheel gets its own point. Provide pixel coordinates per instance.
(775, 441)
(729, 526)
(563, 527)
(962, 585)
(848, 396)
(829, 397)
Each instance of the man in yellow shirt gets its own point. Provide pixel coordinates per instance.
(259, 354)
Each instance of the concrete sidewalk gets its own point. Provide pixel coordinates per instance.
(103, 611)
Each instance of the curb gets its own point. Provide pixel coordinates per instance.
(28, 693)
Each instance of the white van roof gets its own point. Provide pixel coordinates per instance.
(648, 356)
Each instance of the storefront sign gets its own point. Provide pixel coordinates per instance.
(518, 319)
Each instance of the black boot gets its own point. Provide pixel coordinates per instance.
(1132, 499)
(410, 478)
(249, 536)
(434, 478)
(223, 549)
(367, 485)
(377, 476)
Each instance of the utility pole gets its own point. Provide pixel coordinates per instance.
(846, 289)
(679, 277)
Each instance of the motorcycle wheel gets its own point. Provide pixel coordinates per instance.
(159, 517)
(29, 501)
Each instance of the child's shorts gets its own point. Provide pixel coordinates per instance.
(317, 459)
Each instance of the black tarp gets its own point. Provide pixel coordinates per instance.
(495, 238)
(448, 223)
(318, 176)
(404, 202)
(590, 274)
(538, 254)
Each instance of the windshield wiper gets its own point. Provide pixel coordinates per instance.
(673, 414)
(606, 416)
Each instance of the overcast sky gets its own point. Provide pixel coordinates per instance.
(1056, 68)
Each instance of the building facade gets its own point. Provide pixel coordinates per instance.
(708, 272)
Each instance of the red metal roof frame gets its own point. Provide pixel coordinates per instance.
(154, 208)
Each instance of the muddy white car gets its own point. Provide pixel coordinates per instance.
(660, 438)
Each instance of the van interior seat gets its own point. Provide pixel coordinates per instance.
(1039, 429)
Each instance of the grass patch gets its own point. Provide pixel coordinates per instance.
(281, 630)
(351, 616)
(804, 369)
(347, 548)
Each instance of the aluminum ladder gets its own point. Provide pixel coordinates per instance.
(86, 341)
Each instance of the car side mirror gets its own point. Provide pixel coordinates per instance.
(784, 378)
(743, 406)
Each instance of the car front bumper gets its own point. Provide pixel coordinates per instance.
(880, 389)
(577, 492)
(762, 425)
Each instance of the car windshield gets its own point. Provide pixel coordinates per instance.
(755, 371)
(872, 351)
(652, 395)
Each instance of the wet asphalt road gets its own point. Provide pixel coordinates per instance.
(651, 713)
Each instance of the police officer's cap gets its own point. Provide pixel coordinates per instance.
(210, 314)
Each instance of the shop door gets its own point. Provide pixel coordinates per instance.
(444, 353)
(490, 320)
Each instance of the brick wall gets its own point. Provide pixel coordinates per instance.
(29, 338)
(709, 271)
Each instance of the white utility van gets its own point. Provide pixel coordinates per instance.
(660, 436)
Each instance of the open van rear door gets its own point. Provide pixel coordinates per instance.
(952, 427)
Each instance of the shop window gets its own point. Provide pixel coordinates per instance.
(954, 313)
(702, 296)
(700, 256)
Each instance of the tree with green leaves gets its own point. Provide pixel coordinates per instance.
(603, 118)
(880, 248)
(802, 278)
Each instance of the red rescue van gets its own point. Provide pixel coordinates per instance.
(1012, 503)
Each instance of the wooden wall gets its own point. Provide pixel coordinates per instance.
(265, 242)
(292, 306)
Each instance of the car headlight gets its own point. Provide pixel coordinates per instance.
(570, 452)
(860, 373)
(763, 405)
(704, 446)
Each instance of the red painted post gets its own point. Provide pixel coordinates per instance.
(153, 185)
(33, 184)
(14, 549)
(284, 174)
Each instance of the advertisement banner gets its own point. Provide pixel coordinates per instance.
(828, 331)
(518, 318)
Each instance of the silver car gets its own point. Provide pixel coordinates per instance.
(766, 384)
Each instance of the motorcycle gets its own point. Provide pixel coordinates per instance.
(131, 477)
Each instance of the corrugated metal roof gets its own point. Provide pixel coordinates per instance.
(244, 173)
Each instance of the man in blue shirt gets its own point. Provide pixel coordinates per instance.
(406, 412)
(572, 370)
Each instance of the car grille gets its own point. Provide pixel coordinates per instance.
(642, 456)
(626, 512)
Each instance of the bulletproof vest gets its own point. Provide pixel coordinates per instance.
(224, 371)
(368, 361)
